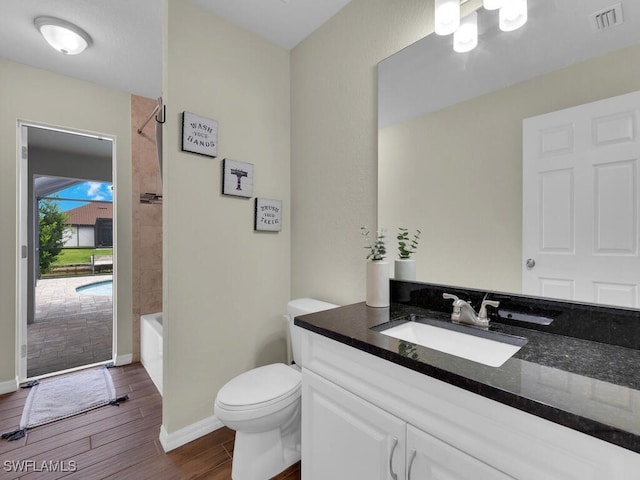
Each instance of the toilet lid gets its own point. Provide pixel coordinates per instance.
(260, 385)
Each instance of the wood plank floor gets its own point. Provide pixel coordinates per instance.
(113, 442)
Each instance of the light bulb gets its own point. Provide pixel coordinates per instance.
(493, 4)
(447, 16)
(465, 38)
(513, 15)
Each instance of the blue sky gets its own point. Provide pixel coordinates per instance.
(84, 191)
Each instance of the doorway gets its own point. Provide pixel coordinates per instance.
(66, 274)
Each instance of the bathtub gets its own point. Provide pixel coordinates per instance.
(151, 346)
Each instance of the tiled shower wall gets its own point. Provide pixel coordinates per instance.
(147, 218)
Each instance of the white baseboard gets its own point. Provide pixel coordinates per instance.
(9, 386)
(170, 441)
(125, 359)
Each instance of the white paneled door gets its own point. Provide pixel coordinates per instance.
(580, 203)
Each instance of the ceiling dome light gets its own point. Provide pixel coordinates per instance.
(447, 16)
(65, 37)
(513, 15)
(465, 38)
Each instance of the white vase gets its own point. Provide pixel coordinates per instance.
(405, 269)
(377, 283)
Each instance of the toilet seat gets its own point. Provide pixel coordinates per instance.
(260, 391)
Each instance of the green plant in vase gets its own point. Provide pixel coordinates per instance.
(407, 246)
(405, 266)
(377, 248)
(377, 269)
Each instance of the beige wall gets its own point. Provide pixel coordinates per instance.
(147, 218)
(38, 96)
(457, 174)
(334, 141)
(225, 287)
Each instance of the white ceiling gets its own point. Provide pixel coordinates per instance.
(126, 54)
(127, 34)
(283, 22)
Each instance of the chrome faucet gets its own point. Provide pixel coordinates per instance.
(464, 313)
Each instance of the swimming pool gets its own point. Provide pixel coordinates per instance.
(104, 289)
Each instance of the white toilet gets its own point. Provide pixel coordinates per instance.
(263, 407)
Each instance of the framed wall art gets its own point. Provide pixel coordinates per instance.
(199, 134)
(237, 178)
(268, 215)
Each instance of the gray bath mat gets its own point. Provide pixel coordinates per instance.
(57, 398)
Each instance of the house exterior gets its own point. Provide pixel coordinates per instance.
(91, 225)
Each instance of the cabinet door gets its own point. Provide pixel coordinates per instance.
(346, 437)
(431, 459)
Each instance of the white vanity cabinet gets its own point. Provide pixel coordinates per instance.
(350, 438)
(363, 417)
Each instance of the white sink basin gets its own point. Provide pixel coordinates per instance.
(488, 348)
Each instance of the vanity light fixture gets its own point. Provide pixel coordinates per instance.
(465, 38)
(447, 16)
(513, 15)
(64, 36)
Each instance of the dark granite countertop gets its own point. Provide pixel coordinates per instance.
(589, 386)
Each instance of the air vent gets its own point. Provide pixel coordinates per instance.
(607, 18)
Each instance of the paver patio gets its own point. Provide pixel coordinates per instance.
(70, 329)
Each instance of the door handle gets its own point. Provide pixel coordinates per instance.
(412, 457)
(530, 263)
(393, 474)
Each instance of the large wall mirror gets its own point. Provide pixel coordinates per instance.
(450, 131)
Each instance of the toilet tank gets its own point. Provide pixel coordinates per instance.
(302, 306)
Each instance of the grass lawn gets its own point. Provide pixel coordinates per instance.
(70, 256)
